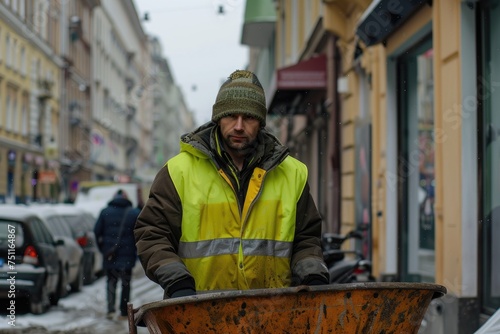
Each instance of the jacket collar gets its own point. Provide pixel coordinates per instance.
(202, 142)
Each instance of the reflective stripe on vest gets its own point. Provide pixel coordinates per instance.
(224, 249)
(205, 248)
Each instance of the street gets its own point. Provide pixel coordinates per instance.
(84, 312)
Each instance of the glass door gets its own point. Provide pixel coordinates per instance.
(416, 175)
(490, 157)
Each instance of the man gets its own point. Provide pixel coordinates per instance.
(114, 229)
(232, 210)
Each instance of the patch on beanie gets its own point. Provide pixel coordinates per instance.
(241, 93)
(240, 74)
(243, 74)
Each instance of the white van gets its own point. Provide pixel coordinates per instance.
(94, 196)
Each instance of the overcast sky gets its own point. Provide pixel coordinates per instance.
(201, 46)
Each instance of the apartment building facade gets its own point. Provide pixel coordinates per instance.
(30, 109)
(122, 126)
(76, 84)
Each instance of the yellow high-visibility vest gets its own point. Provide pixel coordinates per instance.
(224, 247)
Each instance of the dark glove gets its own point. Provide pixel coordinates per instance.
(316, 282)
(183, 293)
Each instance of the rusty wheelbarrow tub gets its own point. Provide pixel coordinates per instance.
(337, 308)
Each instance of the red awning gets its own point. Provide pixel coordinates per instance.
(308, 74)
(304, 76)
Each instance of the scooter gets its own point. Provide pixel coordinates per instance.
(345, 266)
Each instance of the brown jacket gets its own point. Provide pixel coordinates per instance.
(158, 228)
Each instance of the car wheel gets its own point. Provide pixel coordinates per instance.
(60, 290)
(39, 304)
(76, 286)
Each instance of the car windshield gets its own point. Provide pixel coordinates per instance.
(10, 230)
(77, 224)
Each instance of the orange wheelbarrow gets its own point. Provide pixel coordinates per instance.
(337, 308)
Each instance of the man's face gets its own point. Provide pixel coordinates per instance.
(239, 131)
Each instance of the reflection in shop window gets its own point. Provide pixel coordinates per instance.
(491, 157)
(416, 163)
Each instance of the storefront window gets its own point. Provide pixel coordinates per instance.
(416, 163)
(11, 164)
(363, 180)
(490, 100)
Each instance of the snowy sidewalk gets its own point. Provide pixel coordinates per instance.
(85, 311)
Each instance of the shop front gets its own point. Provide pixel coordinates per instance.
(434, 73)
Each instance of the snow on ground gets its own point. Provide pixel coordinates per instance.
(84, 312)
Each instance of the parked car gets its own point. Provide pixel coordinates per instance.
(71, 254)
(36, 262)
(82, 224)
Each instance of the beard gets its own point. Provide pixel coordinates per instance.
(240, 147)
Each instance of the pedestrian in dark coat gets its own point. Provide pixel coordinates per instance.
(107, 230)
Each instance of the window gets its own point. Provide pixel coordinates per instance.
(48, 120)
(24, 118)
(8, 51)
(38, 234)
(10, 109)
(4, 233)
(13, 58)
(15, 115)
(58, 227)
(47, 234)
(307, 10)
(22, 9)
(8, 120)
(294, 31)
(22, 61)
(362, 175)
(490, 157)
(416, 163)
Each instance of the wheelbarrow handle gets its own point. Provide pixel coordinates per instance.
(132, 328)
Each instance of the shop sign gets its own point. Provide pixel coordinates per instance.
(47, 177)
(122, 178)
(51, 151)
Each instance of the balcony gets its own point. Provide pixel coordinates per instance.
(75, 113)
(45, 89)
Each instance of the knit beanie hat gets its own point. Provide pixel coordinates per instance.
(242, 93)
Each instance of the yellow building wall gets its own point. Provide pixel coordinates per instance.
(374, 62)
(349, 111)
(22, 85)
(446, 27)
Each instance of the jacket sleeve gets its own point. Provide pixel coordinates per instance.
(307, 262)
(98, 231)
(157, 233)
